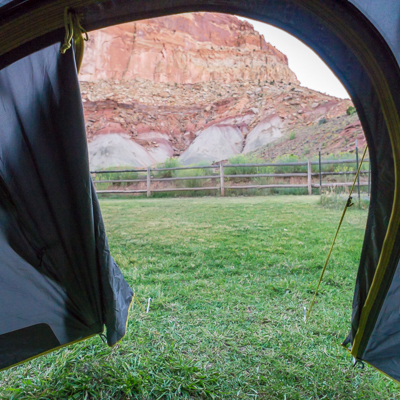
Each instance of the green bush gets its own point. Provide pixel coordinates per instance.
(343, 168)
(196, 172)
(292, 135)
(245, 159)
(351, 110)
(340, 167)
(322, 121)
(168, 163)
(171, 163)
(288, 158)
(115, 176)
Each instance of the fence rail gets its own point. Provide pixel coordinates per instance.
(296, 164)
(219, 173)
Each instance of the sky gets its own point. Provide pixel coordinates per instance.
(310, 70)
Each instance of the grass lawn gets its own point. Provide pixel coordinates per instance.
(229, 278)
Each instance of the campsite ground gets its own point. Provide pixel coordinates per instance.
(229, 278)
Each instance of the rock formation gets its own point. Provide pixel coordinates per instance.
(202, 86)
(185, 48)
(215, 143)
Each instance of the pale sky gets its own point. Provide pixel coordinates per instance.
(310, 70)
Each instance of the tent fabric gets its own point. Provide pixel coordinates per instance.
(58, 282)
(358, 39)
(385, 16)
(382, 349)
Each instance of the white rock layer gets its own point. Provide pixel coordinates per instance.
(216, 143)
(115, 150)
(267, 131)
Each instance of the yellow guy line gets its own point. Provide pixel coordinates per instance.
(137, 301)
(348, 204)
(391, 115)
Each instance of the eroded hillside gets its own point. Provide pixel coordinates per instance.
(202, 87)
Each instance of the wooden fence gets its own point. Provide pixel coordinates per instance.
(217, 173)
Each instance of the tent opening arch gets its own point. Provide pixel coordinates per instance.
(361, 54)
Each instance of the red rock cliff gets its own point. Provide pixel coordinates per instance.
(201, 87)
(185, 48)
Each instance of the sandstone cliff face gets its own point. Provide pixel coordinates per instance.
(185, 48)
(202, 87)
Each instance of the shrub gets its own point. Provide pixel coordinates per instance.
(244, 159)
(168, 163)
(288, 158)
(322, 121)
(292, 135)
(343, 168)
(351, 110)
(114, 176)
(342, 156)
(191, 183)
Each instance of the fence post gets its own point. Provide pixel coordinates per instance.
(148, 182)
(309, 177)
(221, 177)
(320, 171)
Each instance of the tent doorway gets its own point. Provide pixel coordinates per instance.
(361, 53)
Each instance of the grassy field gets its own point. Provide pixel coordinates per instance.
(229, 278)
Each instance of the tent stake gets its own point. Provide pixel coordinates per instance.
(148, 305)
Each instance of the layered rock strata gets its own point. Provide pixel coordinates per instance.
(201, 86)
(185, 48)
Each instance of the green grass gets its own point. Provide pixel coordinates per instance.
(229, 278)
(338, 200)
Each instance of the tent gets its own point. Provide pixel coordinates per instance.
(58, 282)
